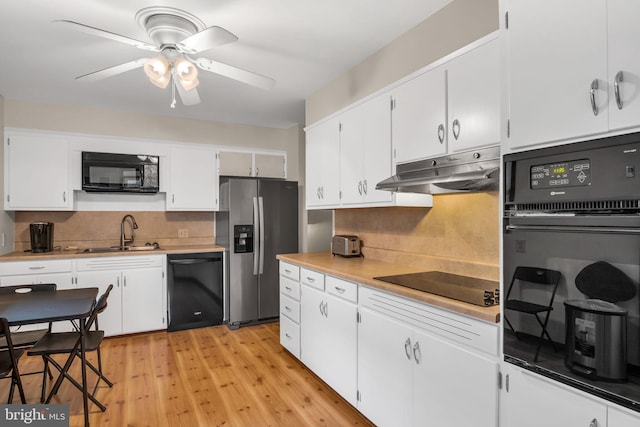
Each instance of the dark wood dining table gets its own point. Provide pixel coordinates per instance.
(43, 307)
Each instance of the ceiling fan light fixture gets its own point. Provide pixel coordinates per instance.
(158, 70)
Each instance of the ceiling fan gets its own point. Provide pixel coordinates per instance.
(176, 35)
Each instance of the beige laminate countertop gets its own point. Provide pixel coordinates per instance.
(363, 271)
(62, 254)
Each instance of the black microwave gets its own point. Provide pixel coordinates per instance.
(120, 173)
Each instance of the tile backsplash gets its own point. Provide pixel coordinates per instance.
(459, 234)
(99, 229)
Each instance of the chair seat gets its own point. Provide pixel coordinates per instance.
(23, 339)
(526, 307)
(5, 361)
(64, 342)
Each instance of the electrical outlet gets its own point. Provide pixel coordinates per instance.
(183, 233)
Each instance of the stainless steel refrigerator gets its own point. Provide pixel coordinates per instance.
(258, 219)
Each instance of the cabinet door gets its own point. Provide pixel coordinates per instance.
(618, 418)
(555, 50)
(447, 378)
(322, 161)
(313, 335)
(376, 148)
(142, 300)
(270, 166)
(37, 173)
(532, 401)
(473, 84)
(624, 62)
(234, 163)
(351, 155)
(193, 179)
(385, 368)
(110, 320)
(418, 114)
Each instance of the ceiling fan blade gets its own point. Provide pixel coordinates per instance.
(206, 39)
(106, 34)
(188, 97)
(235, 73)
(112, 71)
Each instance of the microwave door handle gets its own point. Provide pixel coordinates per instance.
(261, 233)
(576, 229)
(256, 232)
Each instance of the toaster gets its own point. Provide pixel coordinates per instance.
(346, 246)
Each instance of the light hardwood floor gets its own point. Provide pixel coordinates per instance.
(201, 377)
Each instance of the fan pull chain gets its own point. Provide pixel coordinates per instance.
(173, 93)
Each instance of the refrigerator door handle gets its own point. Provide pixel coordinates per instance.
(257, 231)
(261, 232)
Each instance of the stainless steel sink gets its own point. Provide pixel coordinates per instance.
(120, 249)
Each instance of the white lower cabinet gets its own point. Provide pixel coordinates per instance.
(530, 400)
(419, 365)
(136, 302)
(328, 341)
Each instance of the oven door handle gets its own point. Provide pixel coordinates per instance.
(575, 229)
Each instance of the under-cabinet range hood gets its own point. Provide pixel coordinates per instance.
(470, 171)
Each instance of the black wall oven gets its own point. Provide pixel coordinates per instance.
(576, 209)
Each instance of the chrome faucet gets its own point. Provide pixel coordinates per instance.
(134, 226)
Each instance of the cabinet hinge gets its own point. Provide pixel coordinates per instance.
(163, 274)
(340, 194)
(8, 141)
(217, 155)
(499, 380)
(508, 128)
(392, 103)
(358, 318)
(394, 153)
(358, 395)
(340, 127)
(506, 20)
(506, 383)
(8, 198)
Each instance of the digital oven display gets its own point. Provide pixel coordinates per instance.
(566, 174)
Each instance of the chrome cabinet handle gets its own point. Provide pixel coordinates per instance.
(417, 355)
(118, 282)
(455, 127)
(287, 308)
(288, 288)
(339, 289)
(39, 267)
(360, 187)
(288, 336)
(173, 198)
(311, 279)
(286, 270)
(441, 133)
(250, 172)
(326, 309)
(257, 171)
(64, 196)
(616, 88)
(594, 88)
(407, 348)
(364, 186)
(593, 423)
(321, 308)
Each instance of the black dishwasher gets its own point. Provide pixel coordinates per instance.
(194, 286)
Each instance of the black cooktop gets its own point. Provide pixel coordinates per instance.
(468, 289)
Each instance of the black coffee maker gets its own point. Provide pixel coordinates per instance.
(41, 236)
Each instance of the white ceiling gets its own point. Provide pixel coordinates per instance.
(302, 44)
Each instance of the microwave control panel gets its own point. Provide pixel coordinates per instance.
(565, 174)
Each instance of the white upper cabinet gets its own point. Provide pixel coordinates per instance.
(37, 173)
(193, 179)
(572, 69)
(323, 165)
(419, 117)
(624, 63)
(365, 152)
(262, 165)
(473, 98)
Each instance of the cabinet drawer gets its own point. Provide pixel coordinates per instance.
(290, 335)
(290, 308)
(290, 288)
(289, 270)
(342, 288)
(34, 267)
(312, 278)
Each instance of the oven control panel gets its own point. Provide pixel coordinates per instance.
(566, 174)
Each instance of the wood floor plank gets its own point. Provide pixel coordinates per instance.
(201, 377)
